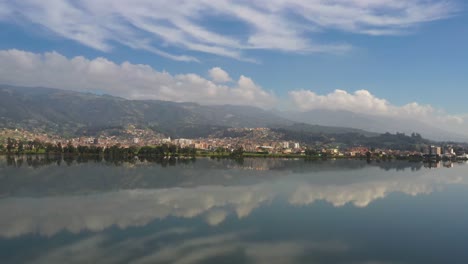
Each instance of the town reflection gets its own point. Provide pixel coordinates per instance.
(37, 161)
(198, 211)
(66, 175)
(94, 196)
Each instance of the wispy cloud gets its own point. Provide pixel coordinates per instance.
(191, 26)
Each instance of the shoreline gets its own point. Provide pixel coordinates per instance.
(228, 156)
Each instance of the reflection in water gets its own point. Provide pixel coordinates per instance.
(215, 199)
(190, 248)
(259, 164)
(95, 212)
(210, 211)
(85, 176)
(37, 161)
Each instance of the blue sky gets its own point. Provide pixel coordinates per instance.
(409, 56)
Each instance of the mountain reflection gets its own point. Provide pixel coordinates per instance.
(93, 196)
(38, 161)
(75, 176)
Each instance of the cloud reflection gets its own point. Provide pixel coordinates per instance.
(95, 212)
(48, 216)
(187, 248)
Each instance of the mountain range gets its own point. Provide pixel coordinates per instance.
(372, 123)
(73, 113)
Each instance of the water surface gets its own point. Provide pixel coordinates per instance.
(226, 211)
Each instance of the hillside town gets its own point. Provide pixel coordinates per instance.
(251, 140)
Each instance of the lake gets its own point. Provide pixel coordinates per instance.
(227, 211)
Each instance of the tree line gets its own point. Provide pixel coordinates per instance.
(14, 146)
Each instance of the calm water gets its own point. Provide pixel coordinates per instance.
(255, 211)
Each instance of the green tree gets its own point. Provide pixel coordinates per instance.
(49, 148)
(30, 145)
(220, 150)
(20, 147)
(132, 150)
(238, 152)
(310, 152)
(11, 144)
(59, 147)
(37, 144)
(172, 150)
(69, 149)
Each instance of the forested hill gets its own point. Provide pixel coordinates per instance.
(73, 113)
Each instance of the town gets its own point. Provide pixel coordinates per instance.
(258, 142)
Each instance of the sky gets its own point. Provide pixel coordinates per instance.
(380, 57)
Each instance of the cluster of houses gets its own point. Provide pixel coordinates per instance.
(260, 141)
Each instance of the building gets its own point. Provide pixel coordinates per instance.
(449, 151)
(434, 150)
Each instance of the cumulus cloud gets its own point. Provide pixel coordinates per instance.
(133, 81)
(139, 81)
(162, 26)
(362, 101)
(219, 75)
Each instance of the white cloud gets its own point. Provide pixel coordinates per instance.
(134, 81)
(362, 101)
(4, 10)
(138, 81)
(219, 75)
(285, 25)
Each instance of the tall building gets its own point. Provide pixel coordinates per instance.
(434, 150)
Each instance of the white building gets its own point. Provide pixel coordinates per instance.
(434, 150)
(449, 151)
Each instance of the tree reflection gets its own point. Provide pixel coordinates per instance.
(37, 161)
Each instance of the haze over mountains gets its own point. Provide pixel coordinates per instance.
(74, 113)
(372, 123)
(68, 112)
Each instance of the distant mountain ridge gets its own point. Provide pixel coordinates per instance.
(377, 124)
(76, 113)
